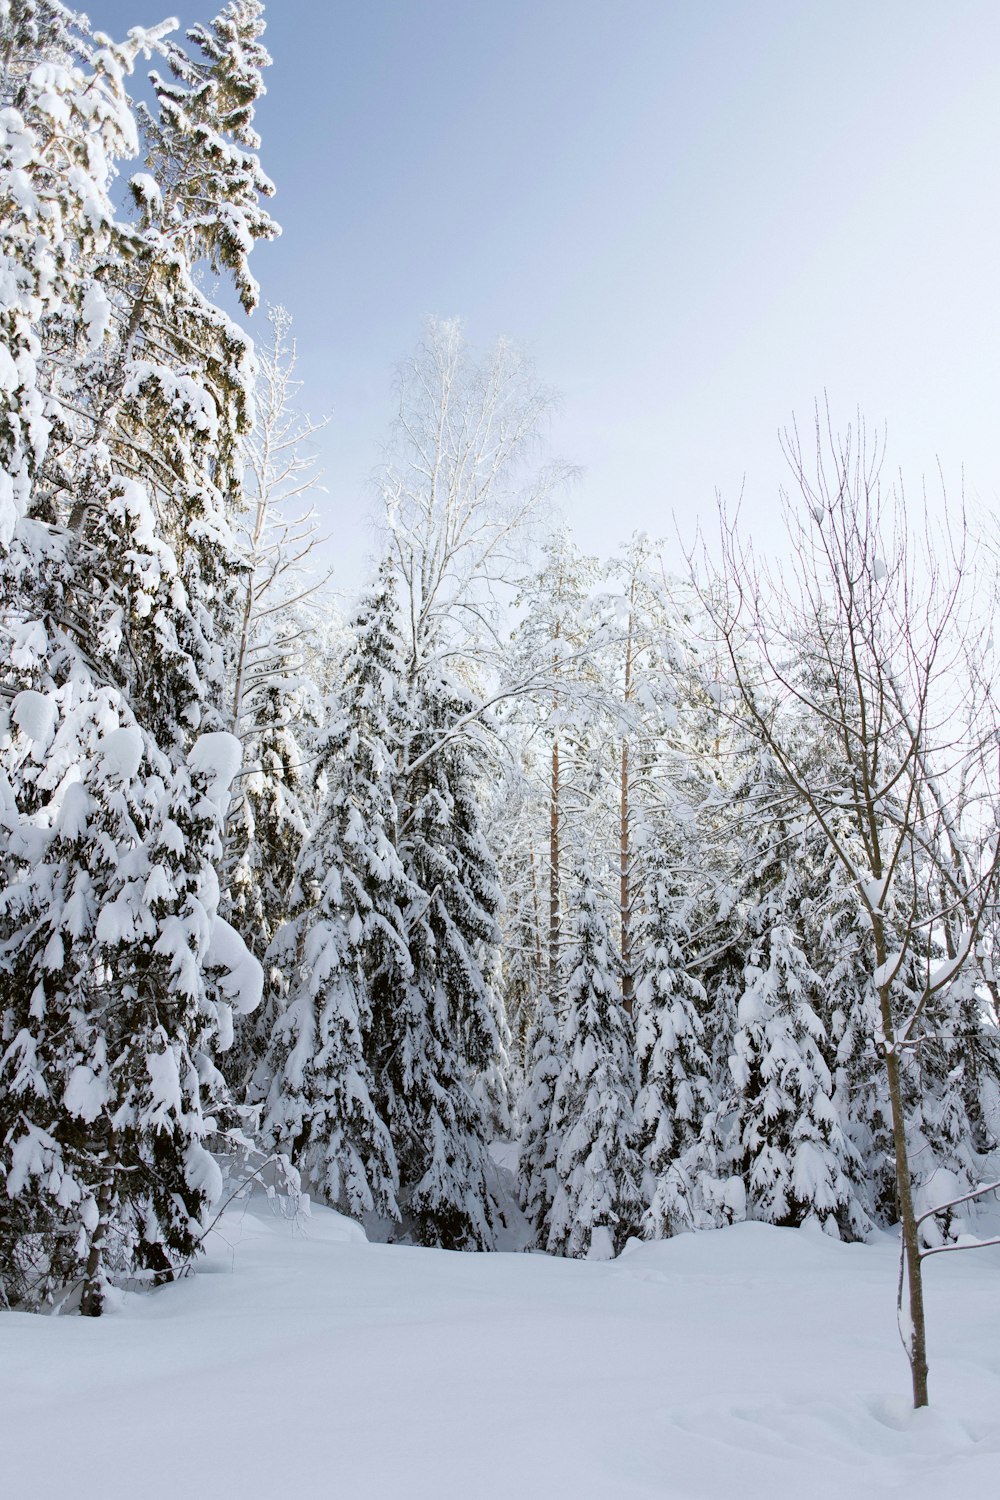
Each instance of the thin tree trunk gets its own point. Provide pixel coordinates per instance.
(624, 886)
(554, 923)
(625, 824)
(916, 1342)
(537, 924)
(92, 1296)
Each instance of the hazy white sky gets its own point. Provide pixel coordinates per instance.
(697, 216)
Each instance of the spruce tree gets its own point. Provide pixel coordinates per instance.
(445, 1040)
(119, 974)
(345, 945)
(598, 1201)
(108, 937)
(675, 1073)
(790, 1146)
(538, 1140)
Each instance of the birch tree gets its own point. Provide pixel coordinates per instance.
(275, 705)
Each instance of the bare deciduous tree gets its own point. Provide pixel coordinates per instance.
(865, 639)
(461, 483)
(280, 529)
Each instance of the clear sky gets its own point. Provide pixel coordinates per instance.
(699, 215)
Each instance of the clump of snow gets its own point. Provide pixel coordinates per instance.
(122, 751)
(884, 973)
(165, 1083)
(146, 190)
(241, 979)
(96, 315)
(35, 716)
(217, 756)
(86, 1093)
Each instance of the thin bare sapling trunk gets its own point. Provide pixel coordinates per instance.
(860, 646)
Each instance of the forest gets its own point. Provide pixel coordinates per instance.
(537, 900)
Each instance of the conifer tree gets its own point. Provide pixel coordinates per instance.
(178, 392)
(119, 974)
(445, 1082)
(789, 1144)
(538, 1138)
(345, 947)
(515, 816)
(835, 943)
(109, 936)
(675, 1073)
(597, 1202)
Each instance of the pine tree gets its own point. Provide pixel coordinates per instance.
(176, 395)
(203, 146)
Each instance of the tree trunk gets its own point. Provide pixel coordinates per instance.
(625, 825)
(916, 1345)
(554, 923)
(92, 1296)
(537, 923)
(624, 885)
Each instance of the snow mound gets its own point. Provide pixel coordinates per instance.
(751, 1362)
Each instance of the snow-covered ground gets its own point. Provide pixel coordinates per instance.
(302, 1361)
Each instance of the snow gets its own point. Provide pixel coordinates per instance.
(165, 1083)
(945, 971)
(242, 979)
(35, 716)
(96, 315)
(751, 1362)
(875, 891)
(147, 190)
(122, 751)
(885, 973)
(186, 397)
(218, 757)
(86, 1094)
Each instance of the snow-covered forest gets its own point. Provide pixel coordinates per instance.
(535, 900)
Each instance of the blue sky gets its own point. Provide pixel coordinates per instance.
(697, 216)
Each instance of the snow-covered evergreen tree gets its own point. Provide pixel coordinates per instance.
(538, 1140)
(178, 392)
(835, 942)
(108, 938)
(346, 943)
(675, 1072)
(514, 814)
(444, 1079)
(597, 1202)
(118, 972)
(790, 1146)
